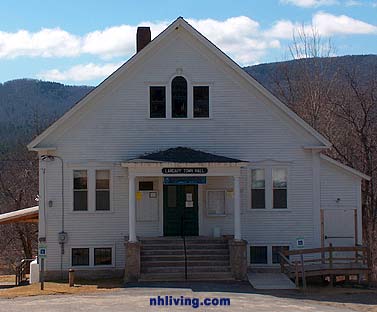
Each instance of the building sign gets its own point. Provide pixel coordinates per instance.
(300, 242)
(42, 251)
(184, 170)
(185, 180)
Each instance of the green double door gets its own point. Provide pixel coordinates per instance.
(181, 210)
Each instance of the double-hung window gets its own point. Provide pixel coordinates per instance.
(102, 190)
(280, 182)
(258, 189)
(80, 190)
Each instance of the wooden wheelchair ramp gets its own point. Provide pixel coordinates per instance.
(270, 280)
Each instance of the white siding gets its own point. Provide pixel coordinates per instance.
(115, 127)
(340, 191)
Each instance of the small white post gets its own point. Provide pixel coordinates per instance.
(131, 209)
(237, 208)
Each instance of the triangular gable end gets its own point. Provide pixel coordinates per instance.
(179, 22)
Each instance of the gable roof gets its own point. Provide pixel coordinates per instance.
(180, 22)
(354, 172)
(185, 155)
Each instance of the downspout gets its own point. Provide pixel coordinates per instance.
(62, 236)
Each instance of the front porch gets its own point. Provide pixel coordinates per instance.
(192, 196)
(181, 191)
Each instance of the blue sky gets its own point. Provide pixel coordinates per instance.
(81, 42)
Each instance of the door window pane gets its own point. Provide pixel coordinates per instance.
(146, 186)
(102, 190)
(80, 190)
(201, 102)
(279, 178)
(157, 102)
(216, 203)
(80, 256)
(102, 256)
(172, 196)
(258, 254)
(258, 191)
(275, 253)
(179, 97)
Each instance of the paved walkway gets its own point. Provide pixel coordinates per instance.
(270, 281)
(138, 299)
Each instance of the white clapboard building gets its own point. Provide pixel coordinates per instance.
(180, 149)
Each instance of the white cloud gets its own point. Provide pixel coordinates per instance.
(324, 24)
(309, 3)
(82, 72)
(328, 25)
(283, 29)
(240, 37)
(53, 42)
(350, 3)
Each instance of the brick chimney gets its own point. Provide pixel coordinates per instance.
(143, 37)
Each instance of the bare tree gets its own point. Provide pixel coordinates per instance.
(306, 85)
(340, 104)
(18, 189)
(354, 137)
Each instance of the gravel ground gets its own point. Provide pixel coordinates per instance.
(242, 298)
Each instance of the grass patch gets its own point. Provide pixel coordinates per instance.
(7, 278)
(58, 288)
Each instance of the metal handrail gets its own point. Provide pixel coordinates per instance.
(20, 270)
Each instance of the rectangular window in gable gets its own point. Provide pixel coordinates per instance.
(201, 102)
(157, 102)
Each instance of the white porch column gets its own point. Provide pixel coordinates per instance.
(237, 208)
(131, 209)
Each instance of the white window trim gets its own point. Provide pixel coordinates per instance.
(225, 203)
(269, 188)
(91, 257)
(91, 189)
(190, 98)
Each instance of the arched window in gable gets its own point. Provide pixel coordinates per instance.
(179, 97)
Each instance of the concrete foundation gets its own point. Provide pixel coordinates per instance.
(238, 259)
(87, 274)
(132, 270)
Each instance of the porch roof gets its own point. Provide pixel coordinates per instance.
(22, 215)
(183, 155)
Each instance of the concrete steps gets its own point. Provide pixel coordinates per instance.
(163, 259)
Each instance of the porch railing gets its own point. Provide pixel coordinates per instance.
(324, 261)
(22, 269)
